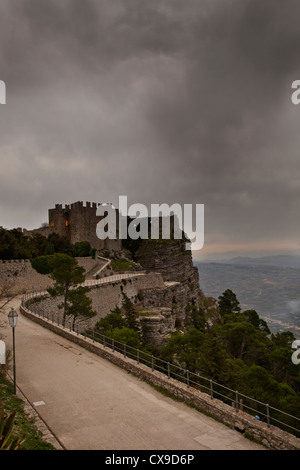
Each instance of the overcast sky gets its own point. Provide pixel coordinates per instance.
(160, 100)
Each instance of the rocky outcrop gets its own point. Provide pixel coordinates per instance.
(156, 325)
(162, 295)
(174, 262)
(167, 305)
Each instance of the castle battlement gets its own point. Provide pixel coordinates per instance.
(77, 205)
(78, 222)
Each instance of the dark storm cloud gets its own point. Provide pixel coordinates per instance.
(163, 101)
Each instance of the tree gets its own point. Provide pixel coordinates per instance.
(6, 293)
(82, 249)
(228, 303)
(42, 264)
(243, 341)
(14, 245)
(252, 317)
(110, 322)
(284, 339)
(260, 384)
(60, 244)
(79, 305)
(212, 361)
(68, 276)
(130, 313)
(126, 336)
(194, 317)
(282, 368)
(184, 348)
(38, 244)
(132, 245)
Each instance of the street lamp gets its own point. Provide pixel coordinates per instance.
(13, 318)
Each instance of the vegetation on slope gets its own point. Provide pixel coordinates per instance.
(238, 352)
(15, 245)
(24, 427)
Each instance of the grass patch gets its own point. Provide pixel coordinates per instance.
(23, 422)
(122, 265)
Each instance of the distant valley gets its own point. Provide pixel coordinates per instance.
(270, 285)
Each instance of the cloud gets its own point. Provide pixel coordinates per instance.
(160, 101)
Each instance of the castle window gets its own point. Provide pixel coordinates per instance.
(66, 217)
(52, 224)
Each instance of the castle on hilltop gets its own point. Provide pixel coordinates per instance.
(77, 222)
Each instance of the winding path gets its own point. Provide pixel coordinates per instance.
(90, 403)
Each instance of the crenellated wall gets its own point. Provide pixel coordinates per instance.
(77, 222)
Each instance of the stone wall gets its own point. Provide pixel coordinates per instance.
(272, 438)
(78, 222)
(21, 277)
(88, 263)
(161, 304)
(105, 297)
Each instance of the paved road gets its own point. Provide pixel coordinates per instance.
(90, 403)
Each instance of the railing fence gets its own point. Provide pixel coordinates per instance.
(240, 402)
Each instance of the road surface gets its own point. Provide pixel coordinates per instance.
(91, 404)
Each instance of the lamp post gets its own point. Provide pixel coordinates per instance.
(13, 318)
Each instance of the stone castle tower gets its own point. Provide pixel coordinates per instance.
(77, 222)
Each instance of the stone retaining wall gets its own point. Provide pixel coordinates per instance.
(21, 277)
(88, 263)
(272, 438)
(105, 297)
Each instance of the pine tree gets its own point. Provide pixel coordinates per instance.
(228, 303)
(68, 276)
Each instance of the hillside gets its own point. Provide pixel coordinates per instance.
(284, 261)
(273, 291)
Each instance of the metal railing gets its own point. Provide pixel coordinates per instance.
(91, 282)
(112, 278)
(238, 400)
(241, 402)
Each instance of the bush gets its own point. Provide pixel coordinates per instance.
(82, 249)
(42, 264)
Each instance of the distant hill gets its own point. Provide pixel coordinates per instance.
(272, 290)
(286, 261)
(273, 257)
